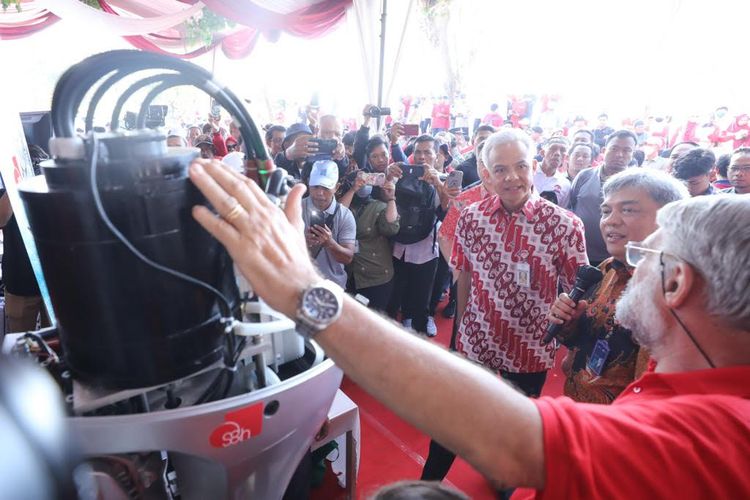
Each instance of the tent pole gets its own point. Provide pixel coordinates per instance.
(382, 58)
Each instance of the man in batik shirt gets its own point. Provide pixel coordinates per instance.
(512, 249)
(603, 359)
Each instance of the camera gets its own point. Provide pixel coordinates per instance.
(155, 116)
(376, 111)
(413, 170)
(326, 147)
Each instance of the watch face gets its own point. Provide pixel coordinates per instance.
(320, 305)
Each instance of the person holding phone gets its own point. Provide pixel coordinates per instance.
(377, 220)
(330, 229)
(301, 148)
(422, 199)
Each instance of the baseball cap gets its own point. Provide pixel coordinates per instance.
(203, 139)
(324, 173)
(294, 130)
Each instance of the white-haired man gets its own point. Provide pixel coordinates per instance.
(681, 431)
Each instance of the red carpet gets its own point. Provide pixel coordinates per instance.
(392, 450)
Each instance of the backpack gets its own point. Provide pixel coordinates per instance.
(415, 202)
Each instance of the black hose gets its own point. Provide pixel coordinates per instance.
(77, 80)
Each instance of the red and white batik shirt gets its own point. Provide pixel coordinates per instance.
(515, 261)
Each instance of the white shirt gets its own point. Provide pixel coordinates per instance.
(558, 184)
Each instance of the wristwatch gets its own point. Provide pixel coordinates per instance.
(319, 306)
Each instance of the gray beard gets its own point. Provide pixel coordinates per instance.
(636, 311)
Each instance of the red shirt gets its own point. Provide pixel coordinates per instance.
(515, 261)
(441, 116)
(470, 196)
(668, 435)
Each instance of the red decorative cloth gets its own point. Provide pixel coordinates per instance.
(40, 21)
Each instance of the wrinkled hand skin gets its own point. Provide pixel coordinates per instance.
(267, 244)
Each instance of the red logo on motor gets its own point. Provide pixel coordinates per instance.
(239, 425)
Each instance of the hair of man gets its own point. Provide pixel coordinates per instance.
(621, 134)
(720, 256)
(694, 163)
(506, 136)
(660, 186)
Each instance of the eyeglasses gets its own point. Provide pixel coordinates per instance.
(635, 252)
(739, 170)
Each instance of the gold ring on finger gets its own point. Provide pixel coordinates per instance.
(234, 213)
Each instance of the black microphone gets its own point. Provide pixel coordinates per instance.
(586, 277)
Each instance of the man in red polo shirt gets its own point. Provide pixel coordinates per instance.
(682, 431)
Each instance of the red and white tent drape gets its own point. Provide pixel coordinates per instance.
(158, 25)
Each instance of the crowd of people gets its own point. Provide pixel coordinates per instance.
(387, 220)
(498, 218)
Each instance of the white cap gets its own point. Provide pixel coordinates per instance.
(324, 173)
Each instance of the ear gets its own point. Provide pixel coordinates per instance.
(534, 165)
(679, 283)
(541, 152)
(484, 174)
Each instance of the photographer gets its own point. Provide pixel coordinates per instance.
(377, 220)
(421, 199)
(300, 149)
(363, 149)
(330, 230)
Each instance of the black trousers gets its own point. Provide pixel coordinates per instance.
(412, 289)
(379, 295)
(440, 459)
(443, 278)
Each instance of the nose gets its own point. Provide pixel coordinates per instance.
(612, 219)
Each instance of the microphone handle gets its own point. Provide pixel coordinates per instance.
(553, 329)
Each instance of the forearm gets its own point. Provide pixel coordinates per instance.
(346, 198)
(391, 212)
(340, 253)
(445, 199)
(501, 437)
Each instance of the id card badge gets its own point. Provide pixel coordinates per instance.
(598, 357)
(524, 274)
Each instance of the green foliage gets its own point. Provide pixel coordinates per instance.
(93, 4)
(7, 3)
(435, 14)
(201, 29)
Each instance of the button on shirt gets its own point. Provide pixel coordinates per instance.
(515, 261)
(585, 201)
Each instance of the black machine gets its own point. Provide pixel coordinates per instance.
(124, 320)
